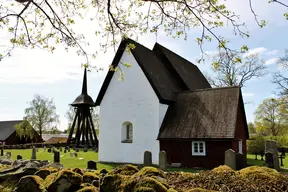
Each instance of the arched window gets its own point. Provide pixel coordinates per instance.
(127, 132)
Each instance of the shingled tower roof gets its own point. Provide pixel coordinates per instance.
(84, 98)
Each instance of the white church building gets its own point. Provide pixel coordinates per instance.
(132, 111)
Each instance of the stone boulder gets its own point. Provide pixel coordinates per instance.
(30, 184)
(89, 177)
(64, 180)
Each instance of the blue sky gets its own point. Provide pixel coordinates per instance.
(59, 75)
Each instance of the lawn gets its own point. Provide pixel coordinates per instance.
(84, 157)
(65, 159)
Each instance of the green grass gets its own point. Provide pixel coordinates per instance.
(252, 161)
(65, 159)
(84, 157)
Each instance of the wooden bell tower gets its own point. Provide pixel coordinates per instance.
(85, 131)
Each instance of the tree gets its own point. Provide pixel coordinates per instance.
(279, 78)
(70, 115)
(251, 128)
(41, 114)
(35, 23)
(25, 130)
(232, 70)
(271, 117)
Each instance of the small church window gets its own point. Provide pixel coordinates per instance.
(198, 148)
(127, 132)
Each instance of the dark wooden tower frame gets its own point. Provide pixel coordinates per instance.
(83, 105)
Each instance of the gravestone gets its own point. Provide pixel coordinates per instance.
(71, 154)
(269, 160)
(85, 149)
(162, 160)
(2, 152)
(33, 153)
(65, 151)
(75, 154)
(19, 157)
(271, 146)
(60, 149)
(147, 158)
(92, 165)
(44, 148)
(68, 149)
(230, 159)
(56, 157)
(77, 150)
(239, 161)
(49, 150)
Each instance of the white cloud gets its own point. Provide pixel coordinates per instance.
(3, 98)
(248, 94)
(271, 61)
(272, 53)
(257, 50)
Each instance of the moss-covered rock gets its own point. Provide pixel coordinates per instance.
(257, 171)
(223, 169)
(31, 183)
(3, 167)
(79, 171)
(150, 171)
(89, 177)
(103, 171)
(172, 190)
(89, 189)
(136, 183)
(125, 170)
(112, 182)
(64, 180)
(44, 172)
(145, 189)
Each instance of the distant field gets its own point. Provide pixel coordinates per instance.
(84, 157)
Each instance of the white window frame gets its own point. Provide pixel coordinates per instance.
(125, 132)
(240, 146)
(196, 145)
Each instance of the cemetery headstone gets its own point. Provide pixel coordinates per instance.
(71, 154)
(162, 160)
(92, 165)
(147, 158)
(2, 152)
(33, 153)
(230, 159)
(271, 146)
(75, 154)
(77, 150)
(56, 157)
(68, 149)
(44, 148)
(85, 149)
(65, 151)
(269, 160)
(60, 149)
(49, 150)
(239, 161)
(19, 157)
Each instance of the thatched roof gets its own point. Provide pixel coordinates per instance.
(166, 71)
(207, 113)
(7, 128)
